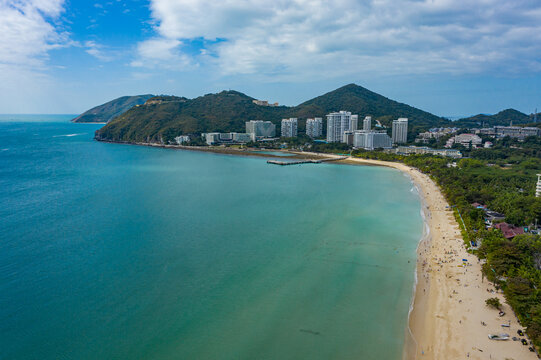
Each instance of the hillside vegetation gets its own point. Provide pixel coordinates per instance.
(108, 111)
(161, 121)
(503, 118)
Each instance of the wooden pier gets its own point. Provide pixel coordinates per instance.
(308, 161)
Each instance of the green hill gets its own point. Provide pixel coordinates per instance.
(504, 118)
(106, 112)
(162, 120)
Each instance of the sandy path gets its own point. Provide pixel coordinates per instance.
(449, 305)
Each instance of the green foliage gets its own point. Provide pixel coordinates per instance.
(494, 303)
(108, 111)
(229, 110)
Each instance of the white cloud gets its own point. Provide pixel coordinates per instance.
(306, 38)
(96, 50)
(161, 52)
(27, 34)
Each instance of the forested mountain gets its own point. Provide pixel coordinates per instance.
(106, 112)
(503, 118)
(163, 118)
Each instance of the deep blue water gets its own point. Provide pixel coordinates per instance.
(123, 252)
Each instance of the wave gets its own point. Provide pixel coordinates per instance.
(69, 135)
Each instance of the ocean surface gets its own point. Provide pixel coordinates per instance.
(114, 251)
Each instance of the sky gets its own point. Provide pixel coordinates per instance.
(448, 57)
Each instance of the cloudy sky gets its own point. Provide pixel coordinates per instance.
(449, 57)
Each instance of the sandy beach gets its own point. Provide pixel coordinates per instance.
(449, 318)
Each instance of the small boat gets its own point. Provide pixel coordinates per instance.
(498, 336)
(506, 325)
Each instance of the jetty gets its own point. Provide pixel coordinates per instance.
(304, 161)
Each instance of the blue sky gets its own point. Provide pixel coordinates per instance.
(449, 57)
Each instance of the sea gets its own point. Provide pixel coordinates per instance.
(112, 251)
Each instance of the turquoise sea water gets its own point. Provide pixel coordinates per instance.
(123, 252)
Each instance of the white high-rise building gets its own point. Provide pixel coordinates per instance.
(538, 188)
(337, 124)
(353, 122)
(400, 131)
(289, 127)
(260, 128)
(370, 140)
(314, 127)
(367, 123)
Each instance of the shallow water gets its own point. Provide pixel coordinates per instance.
(114, 251)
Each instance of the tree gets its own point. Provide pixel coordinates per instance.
(494, 303)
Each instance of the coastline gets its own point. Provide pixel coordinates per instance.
(448, 303)
(447, 310)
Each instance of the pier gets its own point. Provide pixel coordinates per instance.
(308, 161)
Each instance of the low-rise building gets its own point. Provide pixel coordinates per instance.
(465, 140)
(435, 133)
(509, 231)
(516, 131)
(264, 103)
(181, 139)
(410, 150)
(216, 138)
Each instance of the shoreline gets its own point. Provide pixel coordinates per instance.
(262, 152)
(447, 318)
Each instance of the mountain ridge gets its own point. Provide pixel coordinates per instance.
(502, 118)
(226, 111)
(111, 109)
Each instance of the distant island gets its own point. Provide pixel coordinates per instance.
(108, 111)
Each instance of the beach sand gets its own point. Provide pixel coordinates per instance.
(449, 302)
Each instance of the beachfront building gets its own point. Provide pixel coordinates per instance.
(289, 127)
(400, 131)
(314, 127)
(347, 138)
(538, 187)
(370, 140)
(367, 123)
(353, 122)
(410, 150)
(181, 139)
(337, 124)
(216, 138)
(260, 129)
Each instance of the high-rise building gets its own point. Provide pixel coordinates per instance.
(337, 124)
(400, 131)
(367, 123)
(353, 122)
(289, 127)
(260, 129)
(370, 140)
(538, 187)
(314, 127)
